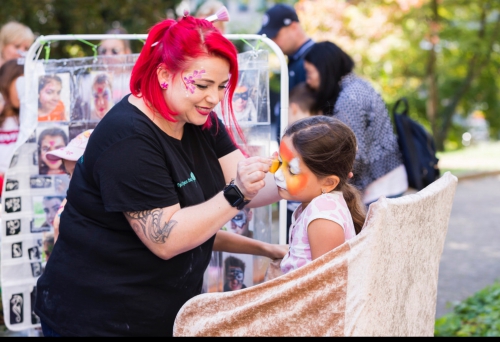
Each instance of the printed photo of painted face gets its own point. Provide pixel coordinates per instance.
(50, 105)
(101, 96)
(234, 269)
(49, 140)
(240, 98)
(51, 205)
(243, 105)
(240, 224)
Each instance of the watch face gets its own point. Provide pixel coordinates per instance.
(233, 196)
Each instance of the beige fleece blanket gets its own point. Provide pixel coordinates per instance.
(383, 282)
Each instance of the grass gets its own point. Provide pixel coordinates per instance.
(482, 157)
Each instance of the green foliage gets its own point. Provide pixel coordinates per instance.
(463, 48)
(478, 315)
(47, 17)
(391, 44)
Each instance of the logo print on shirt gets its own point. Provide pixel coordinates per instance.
(191, 178)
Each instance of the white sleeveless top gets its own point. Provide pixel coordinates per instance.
(330, 206)
(8, 137)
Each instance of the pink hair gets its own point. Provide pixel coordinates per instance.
(176, 44)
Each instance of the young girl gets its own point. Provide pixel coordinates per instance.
(316, 156)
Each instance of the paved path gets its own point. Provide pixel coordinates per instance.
(471, 255)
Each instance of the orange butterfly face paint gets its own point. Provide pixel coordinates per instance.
(288, 176)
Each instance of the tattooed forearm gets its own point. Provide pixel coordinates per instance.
(150, 223)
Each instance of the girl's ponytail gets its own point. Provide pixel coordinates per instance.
(353, 200)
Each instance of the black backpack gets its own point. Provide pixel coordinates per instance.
(417, 147)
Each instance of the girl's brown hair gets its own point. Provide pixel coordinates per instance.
(328, 147)
(9, 72)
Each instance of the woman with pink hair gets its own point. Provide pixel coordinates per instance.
(161, 174)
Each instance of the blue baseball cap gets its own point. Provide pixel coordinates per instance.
(276, 17)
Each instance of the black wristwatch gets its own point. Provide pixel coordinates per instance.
(234, 196)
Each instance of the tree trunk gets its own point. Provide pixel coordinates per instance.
(476, 63)
(433, 95)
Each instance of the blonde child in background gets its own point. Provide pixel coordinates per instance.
(313, 167)
(69, 155)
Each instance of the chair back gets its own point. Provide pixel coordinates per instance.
(383, 282)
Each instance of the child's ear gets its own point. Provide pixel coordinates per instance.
(330, 183)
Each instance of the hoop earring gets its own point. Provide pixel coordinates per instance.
(164, 85)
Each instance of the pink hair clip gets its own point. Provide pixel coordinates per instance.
(221, 15)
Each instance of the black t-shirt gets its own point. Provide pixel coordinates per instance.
(101, 279)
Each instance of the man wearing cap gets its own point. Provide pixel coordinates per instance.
(281, 24)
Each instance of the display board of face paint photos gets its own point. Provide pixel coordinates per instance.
(67, 97)
(251, 96)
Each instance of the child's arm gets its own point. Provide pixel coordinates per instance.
(57, 220)
(324, 235)
(235, 243)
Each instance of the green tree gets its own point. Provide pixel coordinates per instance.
(47, 17)
(441, 54)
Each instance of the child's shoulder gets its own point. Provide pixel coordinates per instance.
(333, 196)
(329, 201)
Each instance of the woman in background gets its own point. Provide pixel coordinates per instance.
(15, 41)
(115, 47)
(9, 113)
(379, 169)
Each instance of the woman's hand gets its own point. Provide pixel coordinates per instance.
(250, 175)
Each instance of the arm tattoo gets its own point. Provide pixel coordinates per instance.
(151, 224)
